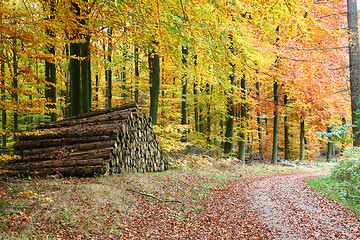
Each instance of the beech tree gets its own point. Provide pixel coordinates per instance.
(354, 60)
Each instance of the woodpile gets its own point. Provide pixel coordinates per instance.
(108, 141)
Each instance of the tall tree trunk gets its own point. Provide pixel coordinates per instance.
(75, 80)
(208, 116)
(286, 134)
(302, 139)
(154, 67)
(196, 101)
(67, 110)
(229, 132)
(354, 67)
(185, 53)
(3, 112)
(196, 108)
(97, 89)
(85, 76)
(50, 71)
(343, 137)
(15, 86)
(243, 113)
(137, 74)
(259, 121)
(109, 71)
(276, 124)
(123, 78)
(75, 72)
(330, 146)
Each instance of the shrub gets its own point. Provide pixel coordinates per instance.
(348, 168)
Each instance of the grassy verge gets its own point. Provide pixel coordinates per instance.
(103, 206)
(344, 192)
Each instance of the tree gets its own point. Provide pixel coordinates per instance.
(75, 70)
(243, 113)
(185, 53)
(302, 139)
(108, 69)
(229, 134)
(50, 68)
(286, 133)
(354, 67)
(276, 124)
(15, 95)
(154, 68)
(259, 121)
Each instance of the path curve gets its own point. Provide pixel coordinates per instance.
(280, 206)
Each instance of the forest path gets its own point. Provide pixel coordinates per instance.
(280, 206)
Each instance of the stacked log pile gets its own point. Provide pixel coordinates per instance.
(108, 141)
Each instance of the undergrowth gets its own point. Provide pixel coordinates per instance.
(343, 184)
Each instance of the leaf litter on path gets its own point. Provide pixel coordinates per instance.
(279, 206)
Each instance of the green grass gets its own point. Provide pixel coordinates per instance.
(345, 193)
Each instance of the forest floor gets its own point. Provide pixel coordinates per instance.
(224, 201)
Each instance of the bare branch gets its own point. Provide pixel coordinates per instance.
(334, 14)
(318, 49)
(323, 2)
(334, 69)
(149, 195)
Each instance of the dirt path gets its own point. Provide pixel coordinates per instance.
(271, 207)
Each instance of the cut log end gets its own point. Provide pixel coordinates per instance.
(110, 141)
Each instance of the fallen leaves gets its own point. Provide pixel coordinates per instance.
(266, 207)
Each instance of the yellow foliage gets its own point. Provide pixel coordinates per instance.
(6, 157)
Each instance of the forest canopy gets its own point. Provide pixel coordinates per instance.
(232, 75)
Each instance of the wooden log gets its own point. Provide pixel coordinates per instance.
(89, 171)
(100, 112)
(69, 134)
(105, 118)
(113, 125)
(42, 143)
(69, 148)
(36, 166)
(95, 153)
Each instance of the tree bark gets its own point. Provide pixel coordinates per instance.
(243, 113)
(276, 124)
(109, 71)
(154, 67)
(15, 86)
(75, 69)
(185, 53)
(330, 147)
(3, 111)
(302, 140)
(97, 89)
(259, 121)
(286, 133)
(354, 67)
(229, 132)
(137, 73)
(85, 76)
(50, 70)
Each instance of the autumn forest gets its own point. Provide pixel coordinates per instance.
(254, 79)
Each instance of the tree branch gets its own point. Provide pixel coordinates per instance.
(318, 49)
(334, 14)
(323, 2)
(152, 196)
(297, 60)
(334, 69)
